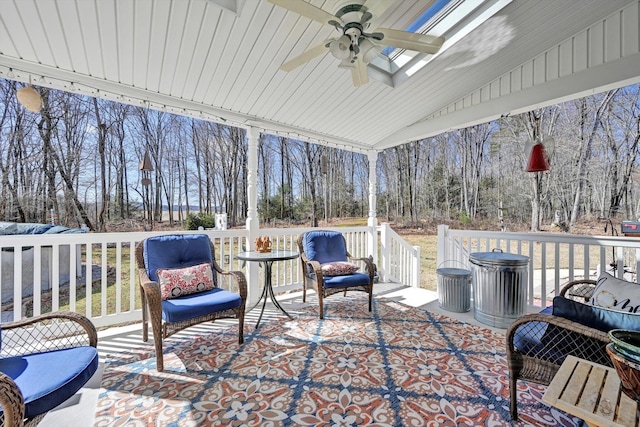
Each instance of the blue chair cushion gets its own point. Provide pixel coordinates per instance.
(176, 251)
(552, 343)
(194, 305)
(599, 318)
(48, 379)
(355, 279)
(527, 339)
(547, 310)
(324, 246)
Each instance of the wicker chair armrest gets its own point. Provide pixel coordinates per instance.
(151, 288)
(303, 256)
(579, 290)
(143, 276)
(315, 267)
(11, 402)
(47, 332)
(567, 337)
(367, 262)
(240, 280)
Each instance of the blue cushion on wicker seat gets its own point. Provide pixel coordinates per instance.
(48, 379)
(553, 343)
(325, 246)
(528, 339)
(171, 303)
(176, 251)
(599, 318)
(355, 279)
(200, 304)
(323, 257)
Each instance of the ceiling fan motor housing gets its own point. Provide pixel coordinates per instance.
(351, 11)
(354, 31)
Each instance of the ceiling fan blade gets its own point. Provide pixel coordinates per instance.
(359, 74)
(412, 41)
(307, 10)
(377, 8)
(305, 57)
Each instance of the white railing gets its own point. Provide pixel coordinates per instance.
(106, 261)
(112, 295)
(400, 261)
(554, 259)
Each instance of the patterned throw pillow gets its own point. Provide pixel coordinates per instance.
(616, 294)
(177, 282)
(338, 268)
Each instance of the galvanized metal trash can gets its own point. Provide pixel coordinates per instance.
(454, 289)
(499, 287)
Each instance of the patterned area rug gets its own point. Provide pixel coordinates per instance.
(396, 366)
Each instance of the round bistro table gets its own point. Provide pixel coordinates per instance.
(267, 259)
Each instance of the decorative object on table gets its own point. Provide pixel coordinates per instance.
(626, 342)
(184, 255)
(263, 244)
(628, 371)
(624, 351)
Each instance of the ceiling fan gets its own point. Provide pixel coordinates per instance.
(355, 47)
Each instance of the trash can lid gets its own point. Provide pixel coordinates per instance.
(498, 258)
(453, 272)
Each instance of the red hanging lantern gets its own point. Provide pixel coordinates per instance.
(537, 159)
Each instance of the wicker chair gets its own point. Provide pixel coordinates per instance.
(321, 247)
(172, 315)
(44, 361)
(539, 363)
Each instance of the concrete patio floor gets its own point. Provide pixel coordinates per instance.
(79, 410)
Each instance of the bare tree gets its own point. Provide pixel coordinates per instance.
(587, 137)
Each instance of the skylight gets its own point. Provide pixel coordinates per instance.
(420, 22)
(451, 19)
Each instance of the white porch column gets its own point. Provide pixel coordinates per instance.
(253, 225)
(372, 222)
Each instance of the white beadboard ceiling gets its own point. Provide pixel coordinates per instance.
(219, 60)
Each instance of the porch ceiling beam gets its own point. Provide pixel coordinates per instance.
(598, 79)
(61, 80)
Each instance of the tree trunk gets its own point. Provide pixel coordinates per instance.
(102, 138)
(585, 149)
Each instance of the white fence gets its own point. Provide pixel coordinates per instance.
(106, 262)
(400, 260)
(554, 259)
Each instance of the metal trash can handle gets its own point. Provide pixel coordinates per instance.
(497, 250)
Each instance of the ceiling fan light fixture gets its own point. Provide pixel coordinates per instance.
(340, 47)
(369, 50)
(347, 64)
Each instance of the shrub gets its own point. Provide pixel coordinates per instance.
(195, 221)
(464, 218)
